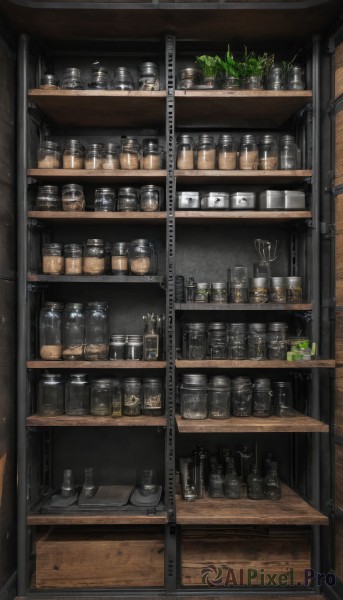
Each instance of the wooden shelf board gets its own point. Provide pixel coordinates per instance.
(254, 364)
(101, 108)
(96, 364)
(95, 279)
(97, 519)
(211, 306)
(238, 176)
(291, 509)
(300, 424)
(100, 217)
(91, 421)
(221, 217)
(100, 176)
(236, 108)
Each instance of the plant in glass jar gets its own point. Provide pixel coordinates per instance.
(253, 68)
(229, 69)
(210, 69)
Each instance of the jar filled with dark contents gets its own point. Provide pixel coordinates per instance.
(134, 347)
(194, 341)
(277, 341)
(77, 395)
(262, 398)
(105, 200)
(96, 331)
(237, 341)
(73, 199)
(132, 396)
(257, 341)
(117, 347)
(219, 395)
(294, 291)
(73, 331)
(277, 290)
(152, 397)
(193, 391)
(219, 293)
(241, 397)
(283, 399)
(48, 198)
(50, 331)
(53, 259)
(101, 397)
(202, 292)
(50, 395)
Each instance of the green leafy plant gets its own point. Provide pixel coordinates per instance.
(287, 65)
(229, 64)
(252, 65)
(208, 64)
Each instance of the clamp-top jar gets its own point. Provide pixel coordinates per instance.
(94, 257)
(206, 152)
(141, 257)
(149, 80)
(48, 198)
(73, 197)
(151, 198)
(105, 200)
(127, 199)
(129, 154)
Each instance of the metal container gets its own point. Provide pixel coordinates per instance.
(243, 201)
(214, 201)
(272, 200)
(188, 200)
(294, 200)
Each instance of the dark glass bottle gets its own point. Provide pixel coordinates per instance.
(255, 485)
(232, 481)
(272, 484)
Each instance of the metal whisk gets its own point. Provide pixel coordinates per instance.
(265, 250)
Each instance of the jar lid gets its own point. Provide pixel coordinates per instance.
(79, 377)
(49, 79)
(120, 247)
(74, 305)
(127, 191)
(72, 71)
(276, 68)
(93, 147)
(237, 381)
(129, 142)
(296, 69)
(293, 281)
(50, 145)
(140, 242)
(135, 339)
(96, 68)
(190, 73)
(152, 381)
(72, 248)
(72, 187)
(277, 281)
(131, 380)
(257, 327)
(151, 188)
(148, 67)
(219, 285)
(57, 247)
(238, 327)
(277, 326)
(101, 305)
(216, 325)
(105, 190)
(74, 144)
(268, 139)
(220, 381)
(248, 138)
(282, 384)
(48, 189)
(194, 379)
(119, 70)
(195, 327)
(287, 139)
(117, 338)
(185, 138)
(261, 382)
(258, 281)
(203, 286)
(225, 138)
(101, 382)
(52, 376)
(111, 147)
(206, 138)
(94, 242)
(53, 305)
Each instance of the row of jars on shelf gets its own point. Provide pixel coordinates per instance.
(75, 332)
(268, 154)
(129, 155)
(243, 200)
(241, 341)
(101, 78)
(103, 397)
(95, 257)
(218, 397)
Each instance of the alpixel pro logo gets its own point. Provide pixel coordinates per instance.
(214, 576)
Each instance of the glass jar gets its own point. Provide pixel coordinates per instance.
(232, 484)
(227, 152)
(73, 155)
(229, 83)
(237, 341)
(258, 290)
(73, 331)
(185, 153)
(188, 78)
(50, 395)
(101, 397)
(275, 79)
(151, 198)
(73, 263)
(193, 396)
(134, 347)
(152, 155)
(127, 199)
(219, 395)
(49, 82)
(216, 483)
(141, 257)
(294, 293)
(202, 292)
(190, 289)
(50, 331)
(49, 155)
(255, 484)
(77, 395)
(117, 400)
(96, 331)
(277, 341)
(94, 157)
(73, 198)
(268, 153)
(149, 79)
(295, 78)
(219, 293)
(272, 484)
(152, 397)
(123, 79)
(48, 198)
(129, 154)
(117, 347)
(252, 82)
(262, 398)
(132, 396)
(119, 258)
(257, 341)
(72, 79)
(248, 153)
(111, 157)
(288, 153)
(217, 341)
(277, 290)
(94, 257)
(241, 397)
(105, 200)
(53, 259)
(283, 399)
(194, 341)
(99, 78)
(206, 152)
(238, 285)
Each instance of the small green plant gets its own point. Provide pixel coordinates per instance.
(252, 65)
(229, 64)
(287, 65)
(208, 64)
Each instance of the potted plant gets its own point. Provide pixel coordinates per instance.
(210, 69)
(252, 68)
(229, 68)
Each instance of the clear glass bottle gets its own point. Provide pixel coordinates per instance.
(99, 78)
(219, 395)
(72, 79)
(219, 293)
(190, 290)
(277, 290)
(88, 488)
(149, 79)
(232, 484)
(288, 153)
(94, 157)
(255, 485)
(206, 152)
(117, 347)
(73, 199)
(238, 285)
(132, 396)
(275, 79)
(96, 331)
(73, 155)
(50, 331)
(257, 341)
(111, 157)
(101, 397)
(141, 257)
(193, 392)
(277, 341)
(258, 290)
(295, 78)
(49, 82)
(245, 462)
(73, 262)
(202, 293)
(241, 397)
(77, 395)
(294, 292)
(123, 79)
(134, 347)
(117, 400)
(48, 198)
(68, 485)
(216, 483)
(268, 153)
(73, 331)
(152, 397)
(94, 257)
(49, 155)
(227, 152)
(194, 341)
(262, 398)
(150, 338)
(129, 154)
(248, 153)
(53, 259)
(272, 484)
(151, 198)
(283, 399)
(105, 200)
(50, 395)
(127, 199)
(185, 153)
(152, 155)
(237, 341)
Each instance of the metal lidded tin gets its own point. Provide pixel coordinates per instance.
(214, 201)
(294, 200)
(243, 201)
(272, 200)
(188, 200)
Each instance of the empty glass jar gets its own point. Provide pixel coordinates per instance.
(50, 331)
(288, 153)
(73, 198)
(152, 397)
(193, 396)
(248, 153)
(94, 157)
(101, 397)
(295, 78)
(257, 341)
(262, 398)
(219, 394)
(283, 399)
(49, 82)
(237, 341)
(206, 152)
(96, 331)
(275, 79)
(134, 347)
(129, 154)
(272, 483)
(277, 341)
(123, 79)
(73, 331)
(77, 395)
(49, 155)
(217, 341)
(127, 199)
(152, 155)
(194, 341)
(149, 80)
(94, 257)
(241, 397)
(105, 199)
(48, 198)
(111, 157)
(238, 285)
(268, 153)
(72, 79)
(132, 396)
(50, 395)
(227, 152)
(141, 257)
(117, 347)
(53, 259)
(185, 152)
(73, 155)
(232, 481)
(73, 262)
(216, 482)
(99, 78)
(151, 198)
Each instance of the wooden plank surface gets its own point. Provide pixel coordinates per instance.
(216, 176)
(254, 364)
(96, 364)
(97, 176)
(289, 510)
(92, 421)
(93, 518)
(211, 306)
(221, 217)
(339, 69)
(299, 423)
(119, 279)
(89, 216)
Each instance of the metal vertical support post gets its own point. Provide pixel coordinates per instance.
(170, 553)
(22, 154)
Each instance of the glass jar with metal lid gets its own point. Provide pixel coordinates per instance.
(119, 258)
(73, 261)
(152, 155)
(117, 347)
(96, 331)
(132, 396)
(193, 391)
(248, 153)
(277, 290)
(194, 341)
(49, 155)
(228, 82)
(277, 341)
(219, 292)
(73, 155)
(283, 399)
(129, 154)
(275, 79)
(48, 198)
(72, 79)
(227, 152)
(73, 199)
(134, 347)
(141, 257)
(50, 331)
(99, 78)
(202, 292)
(206, 152)
(53, 259)
(94, 257)
(152, 397)
(219, 394)
(258, 290)
(288, 153)
(294, 291)
(49, 82)
(73, 331)
(188, 78)
(257, 341)
(123, 79)
(50, 395)
(151, 198)
(94, 157)
(268, 153)
(127, 199)
(262, 398)
(101, 397)
(149, 78)
(117, 400)
(237, 341)
(105, 200)
(295, 78)
(217, 340)
(111, 157)
(238, 285)
(241, 397)
(185, 152)
(77, 395)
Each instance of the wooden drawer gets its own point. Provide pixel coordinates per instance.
(99, 558)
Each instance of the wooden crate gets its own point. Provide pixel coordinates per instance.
(99, 558)
(222, 556)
